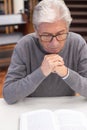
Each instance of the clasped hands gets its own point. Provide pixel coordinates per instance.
(53, 63)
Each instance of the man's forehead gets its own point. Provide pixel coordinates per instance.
(52, 27)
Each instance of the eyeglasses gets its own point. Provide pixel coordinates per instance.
(49, 37)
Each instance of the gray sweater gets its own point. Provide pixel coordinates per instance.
(25, 78)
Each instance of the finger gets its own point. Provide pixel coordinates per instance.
(54, 58)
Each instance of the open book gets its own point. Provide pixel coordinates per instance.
(44, 119)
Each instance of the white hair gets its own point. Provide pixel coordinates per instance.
(51, 11)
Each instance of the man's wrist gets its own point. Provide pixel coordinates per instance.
(65, 77)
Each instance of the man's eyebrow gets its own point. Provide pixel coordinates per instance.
(59, 32)
(62, 31)
(48, 33)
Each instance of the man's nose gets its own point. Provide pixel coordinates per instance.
(54, 40)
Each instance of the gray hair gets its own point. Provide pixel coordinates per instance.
(51, 11)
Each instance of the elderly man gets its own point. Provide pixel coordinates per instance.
(50, 62)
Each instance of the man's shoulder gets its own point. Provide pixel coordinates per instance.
(27, 40)
(75, 37)
(75, 41)
(28, 37)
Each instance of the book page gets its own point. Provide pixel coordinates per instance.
(70, 120)
(38, 120)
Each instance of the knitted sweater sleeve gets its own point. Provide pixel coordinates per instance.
(18, 83)
(78, 80)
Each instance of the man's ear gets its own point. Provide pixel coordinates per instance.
(36, 33)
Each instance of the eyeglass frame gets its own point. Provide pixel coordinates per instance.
(49, 34)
